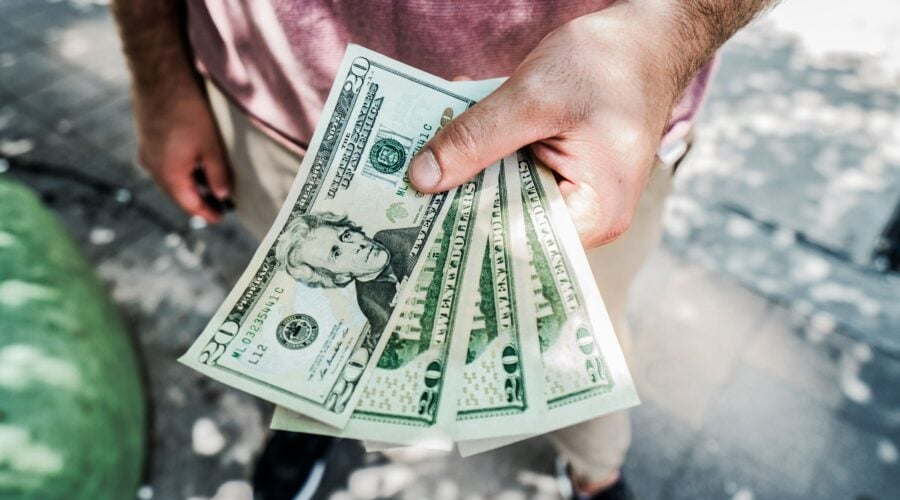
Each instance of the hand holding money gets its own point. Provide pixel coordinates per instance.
(593, 110)
(378, 312)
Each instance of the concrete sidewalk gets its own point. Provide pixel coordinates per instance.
(743, 398)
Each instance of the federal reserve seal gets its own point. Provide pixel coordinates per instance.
(396, 211)
(297, 331)
(387, 156)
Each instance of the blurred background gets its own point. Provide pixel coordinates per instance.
(767, 326)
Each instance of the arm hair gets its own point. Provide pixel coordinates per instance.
(702, 26)
(154, 40)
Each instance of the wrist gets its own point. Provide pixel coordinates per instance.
(635, 56)
(160, 93)
(665, 49)
(687, 33)
(158, 112)
(154, 41)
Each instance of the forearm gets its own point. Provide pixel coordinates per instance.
(690, 31)
(702, 26)
(654, 48)
(154, 41)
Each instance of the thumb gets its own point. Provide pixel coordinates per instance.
(490, 130)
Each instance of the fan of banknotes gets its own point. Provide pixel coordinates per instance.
(375, 312)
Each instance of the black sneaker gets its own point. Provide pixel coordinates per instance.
(291, 466)
(617, 491)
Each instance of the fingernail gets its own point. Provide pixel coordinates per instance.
(424, 171)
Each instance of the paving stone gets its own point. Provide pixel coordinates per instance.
(860, 465)
(660, 446)
(11, 40)
(772, 423)
(783, 350)
(813, 135)
(89, 211)
(24, 137)
(650, 284)
(687, 346)
(172, 299)
(48, 21)
(28, 144)
(869, 379)
(125, 153)
(106, 126)
(12, 10)
(114, 72)
(781, 265)
(69, 97)
(717, 470)
(797, 140)
(229, 247)
(89, 46)
(86, 39)
(24, 71)
(880, 371)
(93, 47)
(525, 468)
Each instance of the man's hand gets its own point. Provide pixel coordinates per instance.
(593, 100)
(175, 128)
(176, 137)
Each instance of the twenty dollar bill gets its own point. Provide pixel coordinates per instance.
(304, 325)
(411, 397)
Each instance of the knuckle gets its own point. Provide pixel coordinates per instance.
(531, 85)
(545, 94)
(634, 135)
(535, 93)
(575, 29)
(634, 138)
(461, 140)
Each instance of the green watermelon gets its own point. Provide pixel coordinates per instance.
(72, 406)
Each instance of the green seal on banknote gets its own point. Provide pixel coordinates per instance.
(388, 156)
(297, 331)
(396, 212)
(585, 340)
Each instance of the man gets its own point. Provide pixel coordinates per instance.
(326, 250)
(595, 88)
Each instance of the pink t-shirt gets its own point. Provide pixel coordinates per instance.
(276, 59)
